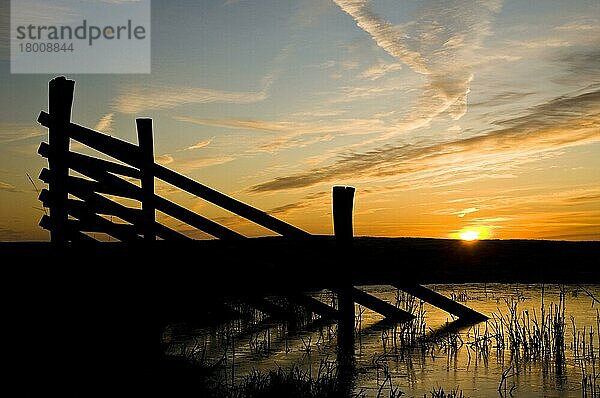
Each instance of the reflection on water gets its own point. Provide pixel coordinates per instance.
(540, 341)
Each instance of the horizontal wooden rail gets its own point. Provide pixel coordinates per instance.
(74, 158)
(128, 189)
(106, 206)
(235, 206)
(111, 146)
(161, 204)
(125, 190)
(72, 233)
(93, 223)
(110, 184)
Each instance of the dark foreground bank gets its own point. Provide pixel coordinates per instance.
(87, 320)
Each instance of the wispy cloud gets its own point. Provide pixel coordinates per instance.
(135, 99)
(438, 44)
(580, 25)
(164, 159)
(189, 165)
(200, 144)
(380, 69)
(502, 98)
(294, 134)
(10, 234)
(310, 200)
(581, 64)
(138, 99)
(560, 123)
(464, 212)
(541, 43)
(246, 124)
(105, 123)
(7, 187)
(12, 132)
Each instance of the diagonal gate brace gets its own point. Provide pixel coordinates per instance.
(314, 305)
(442, 302)
(381, 307)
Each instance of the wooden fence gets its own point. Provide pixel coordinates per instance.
(79, 206)
(70, 219)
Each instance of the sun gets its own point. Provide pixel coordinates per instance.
(469, 235)
(473, 233)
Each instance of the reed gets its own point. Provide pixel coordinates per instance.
(461, 296)
(440, 393)
(414, 332)
(586, 348)
(292, 383)
(528, 335)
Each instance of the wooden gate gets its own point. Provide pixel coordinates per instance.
(80, 205)
(70, 219)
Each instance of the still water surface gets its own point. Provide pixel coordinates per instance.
(471, 359)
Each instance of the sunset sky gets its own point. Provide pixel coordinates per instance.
(446, 116)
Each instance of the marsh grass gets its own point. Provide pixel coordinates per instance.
(293, 382)
(440, 393)
(586, 348)
(516, 336)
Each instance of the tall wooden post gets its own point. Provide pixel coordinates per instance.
(60, 100)
(343, 200)
(146, 145)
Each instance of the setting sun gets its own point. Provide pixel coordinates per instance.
(472, 233)
(469, 235)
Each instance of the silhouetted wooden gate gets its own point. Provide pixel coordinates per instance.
(70, 219)
(87, 213)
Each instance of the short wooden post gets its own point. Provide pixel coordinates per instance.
(343, 201)
(343, 198)
(146, 145)
(60, 101)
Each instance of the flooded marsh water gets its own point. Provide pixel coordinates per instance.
(540, 340)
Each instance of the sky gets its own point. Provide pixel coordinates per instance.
(449, 117)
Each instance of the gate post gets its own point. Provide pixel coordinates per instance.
(60, 101)
(146, 145)
(343, 199)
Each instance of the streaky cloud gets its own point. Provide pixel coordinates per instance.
(105, 123)
(502, 98)
(560, 123)
(14, 132)
(440, 44)
(164, 159)
(4, 186)
(138, 99)
(199, 145)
